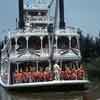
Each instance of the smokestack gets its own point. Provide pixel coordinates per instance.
(21, 16)
(61, 12)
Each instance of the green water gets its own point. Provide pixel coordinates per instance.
(91, 94)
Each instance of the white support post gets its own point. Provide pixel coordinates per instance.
(17, 67)
(78, 44)
(9, 73)
(10, 41)
(49, 45)
(61, 64)
(41, 38)
(49, 64)
(56, 42)
(27, 38)
(69, 42)
(16, 45)
(37, 66)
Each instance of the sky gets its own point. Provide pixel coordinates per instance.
(84, 14)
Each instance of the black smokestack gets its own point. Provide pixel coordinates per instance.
(21, 16)
(61, 12)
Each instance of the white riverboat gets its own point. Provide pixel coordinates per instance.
(42, 52)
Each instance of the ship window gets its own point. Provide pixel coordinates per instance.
(34, 42)
(43, 13)
(21, 43)
(63, 42)
(74, 42)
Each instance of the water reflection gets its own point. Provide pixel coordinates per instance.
(4, 95)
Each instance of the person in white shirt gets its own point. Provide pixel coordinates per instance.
(57, 70)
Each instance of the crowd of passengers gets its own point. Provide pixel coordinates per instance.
(31, 75)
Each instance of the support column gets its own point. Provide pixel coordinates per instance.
(16, 45)
(49, 64)
(17, 67)
(69, 42)
(37, 66)
(27, 38)
(10, 41)
(78, 44)
(56, 42)
(41, 37)
(8, 73)
(61, 64)
(49, 45)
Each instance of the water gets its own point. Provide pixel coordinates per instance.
(92, 94)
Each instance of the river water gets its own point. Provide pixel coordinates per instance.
(91, 94)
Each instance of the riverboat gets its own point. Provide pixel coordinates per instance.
(42, 51)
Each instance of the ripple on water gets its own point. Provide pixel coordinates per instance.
(79, 95)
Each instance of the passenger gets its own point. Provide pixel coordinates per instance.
(62, 74)
(41, 74)
(30, 74)
(37, 76)
(50, 75)
(47, 74)
(18, 76)
(34, 74)
(57, 71)
(67, 74)
(81, 73)
(74, 74)
(26, 76)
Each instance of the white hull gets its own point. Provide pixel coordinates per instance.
(43, 84)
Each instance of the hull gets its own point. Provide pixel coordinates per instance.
(49, 86)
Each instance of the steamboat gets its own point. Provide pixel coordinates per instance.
(42, 51)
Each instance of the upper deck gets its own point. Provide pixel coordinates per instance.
(36, 45)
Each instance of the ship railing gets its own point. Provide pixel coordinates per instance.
(42, 76)
(35, 30)
(44, 51)
(68, 29)
(40, 30)
(66, 50)
(37, 18)
(71, 29)
(28, 31)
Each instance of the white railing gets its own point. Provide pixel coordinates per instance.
(36, 19)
